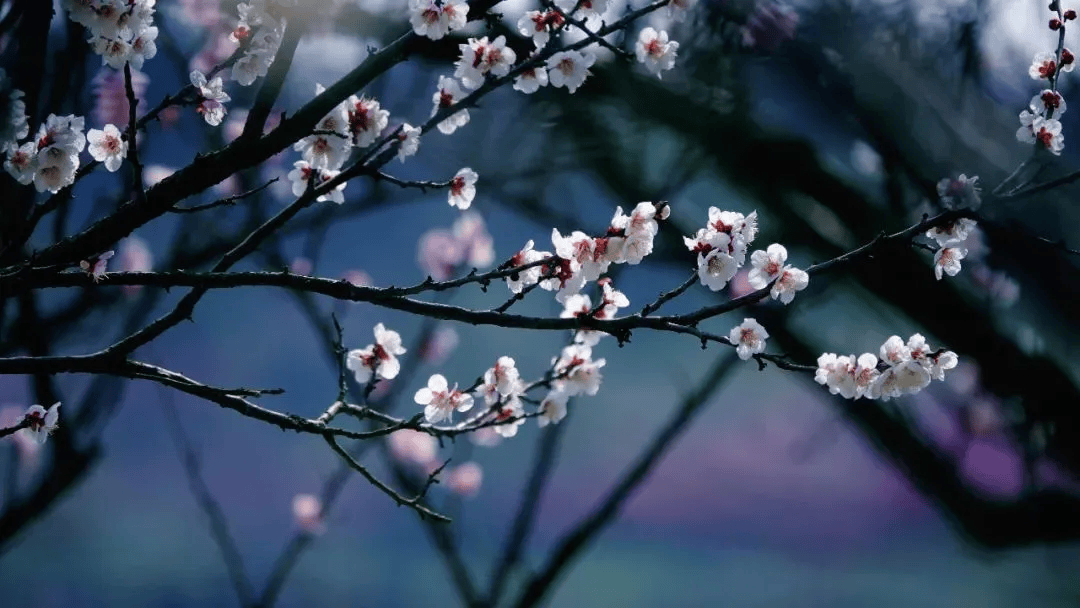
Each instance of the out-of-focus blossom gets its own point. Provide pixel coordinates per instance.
(769, 26)
(134, 256)
(439, 253)
(110, 98)
(307, 513)
(438, 347)
(413, 448)
(465, 480)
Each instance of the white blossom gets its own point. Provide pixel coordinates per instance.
(716, 268)
(748, 338)
(947, 260)
(437, 19)
(576, 372)
(530, 80)
(539, 26)
(409, 136)
(107, 146)
(952, 233)
(366, 120)
(448, 94)
(41, 422)
(1043, 66)
(655, 51)
(552, 408)
(569, 69)
(501, 381)
(767, 265)
(440, 401)
(529, 276)
(379, 359)
(791, 280)
(463, 188)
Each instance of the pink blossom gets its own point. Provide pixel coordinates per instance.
(307, 513)
(465, 480)
(110, 98)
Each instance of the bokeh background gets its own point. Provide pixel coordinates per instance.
(833, 120)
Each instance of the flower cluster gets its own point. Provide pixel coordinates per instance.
(435, 19)
(121, 31)
(582, 258)
(358, 121)
(212, 97)
(539, 25)
(304, 174)
(721, 250)
(902, 369)
(379, 359)
(950, 238)
(480, 58)
(503, 389)
(580, 305)
(51, 158)
(769, 267)
(261, 28)
(1039, 123)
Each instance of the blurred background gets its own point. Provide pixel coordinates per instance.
(834, 120)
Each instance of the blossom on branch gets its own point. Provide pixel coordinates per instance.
(41, 422)
(379, 359)
(947, 260)
(437, 19)
(530, 80)
(107, 146)
(449, 93)
(569, 69)
(576, 371)
(212, 97)
(440, 401)
(903, 368)
(552, 408)
(1043, 66)
(500, 382)
(655, 51)
(529, 276)
(480, 57)
(540, 25)
(748, 338)
(952, 233)
(366, 120)
(791, 280)
(463, 188)
(409, 136)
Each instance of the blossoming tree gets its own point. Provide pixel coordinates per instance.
(328, 153)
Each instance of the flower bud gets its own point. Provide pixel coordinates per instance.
(1055, 24)
(1070, 14)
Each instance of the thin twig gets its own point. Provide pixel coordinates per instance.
(219, 523)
